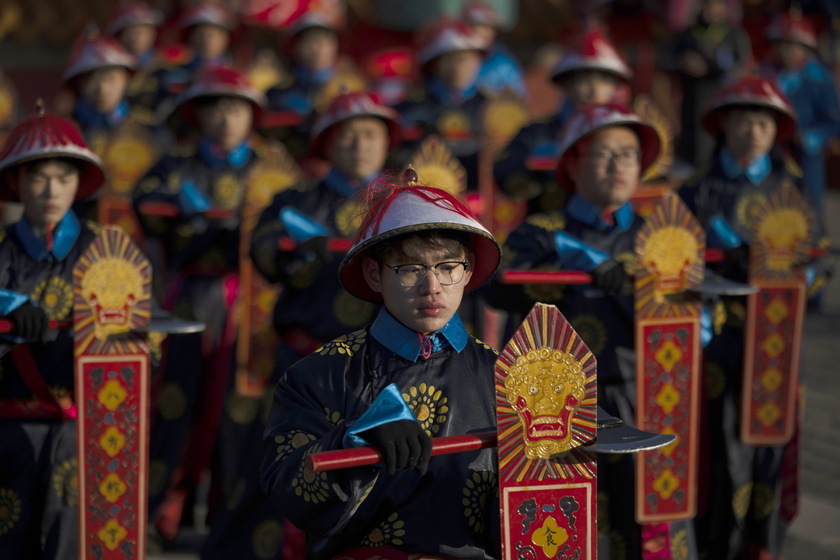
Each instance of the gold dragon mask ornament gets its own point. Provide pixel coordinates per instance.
(669, 253)
(112, 287)
(782, 232)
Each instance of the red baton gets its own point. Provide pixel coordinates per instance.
(336, 245)
(169, 210)
(7, 326)
(566, 277)
(365, 456)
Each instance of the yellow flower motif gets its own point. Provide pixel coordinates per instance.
(679, 545)
(112, 394)
(65, 481)
(344, 345)
(592, 331)
(480, 488)
(741, 500)
(485, 345)
(550, 221)
(310, 485)
(171, 401)
(429, 406)
(112, 487)
(348, 218)
(290, 441)
(666, 484)
(267, 539)
(333, 416)
(112, 534)
(351, 311)
(241, 409)
(550, 537)
(112, 441)
(54, 296)
(9, 509)
(387, 534)
(227, 191)
(763, 500)
(715, 379)
(158, 475)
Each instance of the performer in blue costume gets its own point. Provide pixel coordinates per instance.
(591, 72)
(414, 373)
(604, 150)
(46, 165)
(746, 512)
(355, 134)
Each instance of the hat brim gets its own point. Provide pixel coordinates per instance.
(91, 176)
(487, 252)
(785, 122)
(319, 147)
(187, 108)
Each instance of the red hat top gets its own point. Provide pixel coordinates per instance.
(95, 53)
(314, 19)
(446, 37)
(209, 14)
(478, 12)
(220, 81)
(133, 13)
(752, 91)
(791, 26)
(44, 136)
(592, 52)
(347, 106)
(392, 210)
(391, 63)
(593, 118)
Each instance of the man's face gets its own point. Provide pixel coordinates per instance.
(138, 39)
(424, 308)
(591, 87)
(715, 12)
(749, 133)
(104, 88)
(607, 170)
(209, 41)
(227, 121)
(316, 49)
(47, 191)
(360, 147)
(458, 69)
(789, 54)
(486, 32)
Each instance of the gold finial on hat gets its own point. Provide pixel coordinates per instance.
(40, 107)
(409, 177)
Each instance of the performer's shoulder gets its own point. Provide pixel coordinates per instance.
(484, 348)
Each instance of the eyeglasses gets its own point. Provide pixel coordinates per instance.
(448, 273)
(621, 159)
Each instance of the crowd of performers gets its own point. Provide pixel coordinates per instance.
(367, 347)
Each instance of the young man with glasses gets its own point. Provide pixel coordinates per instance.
(604, 150)
(411, 375)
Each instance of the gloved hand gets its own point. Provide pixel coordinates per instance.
(30, 322)
(610, 276)
(315, 248)
(404, 443)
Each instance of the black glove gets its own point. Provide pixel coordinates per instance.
(315, 249)
(610, 276)
(404, 443)
(30, 322)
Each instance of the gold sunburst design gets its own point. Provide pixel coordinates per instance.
(388, 533)
(227, 191)
(290, 441)
(437, 167)
(479, 489)
(670, 252)
(275, 172)
(644, 106)
(310, 485)
(592, 331)
(348, 218)
(128, 156)
(267, 539)
(747, 208)
(65, 480)
(346, 81)
(10, 509)
(741, 500)
(782, 231)
(54, 296)
(429, 406)
(454, 125)
(350, 311)
(503, 117)
(347, 344)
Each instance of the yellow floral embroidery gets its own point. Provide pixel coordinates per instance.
(242, 409)
(351, 311)
(344, 345)
(348, 218)
(479, 489)
(54, 296)
(227, 191)
(485, 345)
(267, 539)
(679, 545)
(592, 331)
(551, 222)
(171, 401)
(65, 480)
(387, 534)
(741, 500)
(310, 485)
(333, 416)
(158, 476)
(9, 509)
(290, 441)
(763, 500)
(429, 406)
(715, 379)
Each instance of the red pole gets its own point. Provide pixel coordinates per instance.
(7, 327)
(336, 245)
(567, 277)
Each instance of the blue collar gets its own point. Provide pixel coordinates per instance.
(88, 117)
(215, 157)
(308, 77)
(587, 213)
(450, 97)
(407, 343)
(64, 237)
(337, 182)
(756, 171)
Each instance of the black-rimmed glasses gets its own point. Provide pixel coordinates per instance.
(447, 272)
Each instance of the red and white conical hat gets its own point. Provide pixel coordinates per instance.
(446, 37)
(592, 52)
(133, 13)
(220, 81)
(347, 106)
(96, 53)
(752, 91)
(208, 13)
(593, 118)
(314, 19)
(393, 210)
(791, 26)
(45, 136)
(478, 12)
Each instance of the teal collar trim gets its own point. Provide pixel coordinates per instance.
(64, 237)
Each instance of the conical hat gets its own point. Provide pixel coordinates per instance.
(752, 91)
(220, 81)
(207, 13)
(101, 52)
(347, 106)
(592, 52)
(446, 37)
(45, 136)
(314, 19)
(393, 210)
(597, 117)
(791, 26)
(478, 12)
(133, 13)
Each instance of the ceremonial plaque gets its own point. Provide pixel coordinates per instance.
(112, 298)
(546, 410)
(669, 250)
(437, 167)
(257, 338)
(781, 240)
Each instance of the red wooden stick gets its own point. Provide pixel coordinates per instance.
(365, 456)
(567, 277)
(333, 245)
(169, 210)
(7, 327)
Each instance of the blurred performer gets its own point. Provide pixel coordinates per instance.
(748, 496)
(604, 150)
(355, 134)
(391, 73)
(202, 257)
(450, 103)
(499, 71)
(591, 72)
(46, 165)
(809, 86)
(704, 54)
